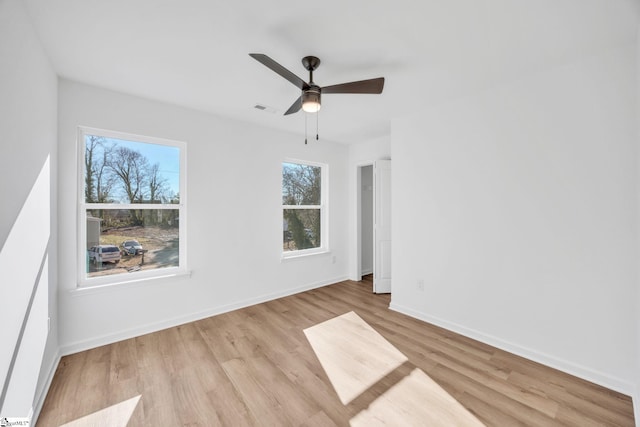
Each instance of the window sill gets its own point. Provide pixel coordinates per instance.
(295, 255)
(90, 287)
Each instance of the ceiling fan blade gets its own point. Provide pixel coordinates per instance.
(273, 65)
(362, 86)
(295, 107)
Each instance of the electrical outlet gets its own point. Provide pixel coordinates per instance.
(420, 285)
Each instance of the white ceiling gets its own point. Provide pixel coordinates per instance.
(194, 53)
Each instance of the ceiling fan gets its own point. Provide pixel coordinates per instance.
(309, 100)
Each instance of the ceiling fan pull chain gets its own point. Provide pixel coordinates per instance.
(317, 119)
(305, 129)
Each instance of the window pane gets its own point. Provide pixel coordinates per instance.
(121, 241)
(301, 229)
(301, 184)
(120, 171)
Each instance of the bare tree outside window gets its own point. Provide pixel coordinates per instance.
(98, 180)
(302, 206)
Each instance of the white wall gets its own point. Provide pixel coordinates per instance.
(27, 189)
(234, 218)
(361, 154)
(518, 208)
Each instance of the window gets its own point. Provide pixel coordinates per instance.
(304, 208)
(132, 207)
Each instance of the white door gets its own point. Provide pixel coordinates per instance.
(382, 227)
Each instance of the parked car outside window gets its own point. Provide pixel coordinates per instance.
(104, 253)
(131, 247)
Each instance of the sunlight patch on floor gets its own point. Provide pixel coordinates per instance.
(416, 400)
(353, 354)
(355, 357)
(117, 415)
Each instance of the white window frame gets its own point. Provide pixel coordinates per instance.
(324, 210)
(83, 280)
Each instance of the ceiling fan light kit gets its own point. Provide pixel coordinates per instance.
(310, 98)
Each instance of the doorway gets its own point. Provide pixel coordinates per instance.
(366, 220)
(374, 224)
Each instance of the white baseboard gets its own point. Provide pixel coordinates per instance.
(600, 378)
(357, 278)
(45, 389)
(83, 345)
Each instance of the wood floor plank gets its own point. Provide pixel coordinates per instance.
(564, 387)
(157, 401)
(320, 419)
(571, 407)
(490, 414)
(530, 416)
(255, 366)
(63, 387)
(192, 405)
(270, 399)
(433, 349)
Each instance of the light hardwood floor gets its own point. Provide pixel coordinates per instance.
(258, 366)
